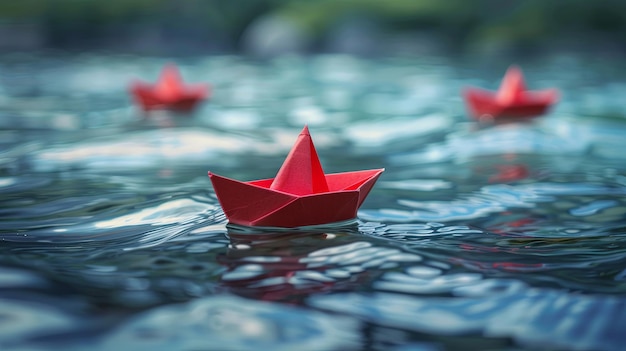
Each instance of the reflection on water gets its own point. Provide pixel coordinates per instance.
(479, 236)
(297, 265)
(231, 323)
(532, 317)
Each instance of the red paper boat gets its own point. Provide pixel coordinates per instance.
(300, 195)
(511, 100)
(169, 92)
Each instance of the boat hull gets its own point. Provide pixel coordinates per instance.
(255, 204)
(481, 104)
(146, 98)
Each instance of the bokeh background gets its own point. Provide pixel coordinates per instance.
(271, 27)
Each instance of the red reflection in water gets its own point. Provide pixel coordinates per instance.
(514, 227)
(499, 266)
(285, 273)
(509, 173)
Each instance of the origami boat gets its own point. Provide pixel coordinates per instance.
(301, 194)
(169, 92)
(511, 100)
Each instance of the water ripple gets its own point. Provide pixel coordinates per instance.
(593, 207)
(23, 183)
(532, 317)
(503, 139)
(147, 149)
(231, 323)
(400, 282)
(372, 136)
(290, 267)
(24, 321)
(491, 199)
(146, 227)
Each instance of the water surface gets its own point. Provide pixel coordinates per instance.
(477, 236)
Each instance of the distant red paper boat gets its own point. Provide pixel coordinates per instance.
(301, 194)
(169, 92)
(511, 100)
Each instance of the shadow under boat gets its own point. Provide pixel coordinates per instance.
(264, 233)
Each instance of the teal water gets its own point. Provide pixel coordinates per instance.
(477, 236)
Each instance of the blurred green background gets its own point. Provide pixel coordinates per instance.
(269, 27)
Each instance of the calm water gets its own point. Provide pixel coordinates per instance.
(501, 237)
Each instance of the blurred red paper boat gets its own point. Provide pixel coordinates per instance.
(511, 100)
(300, 195)
(169, 92)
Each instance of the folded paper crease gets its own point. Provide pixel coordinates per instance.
(301, 194)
